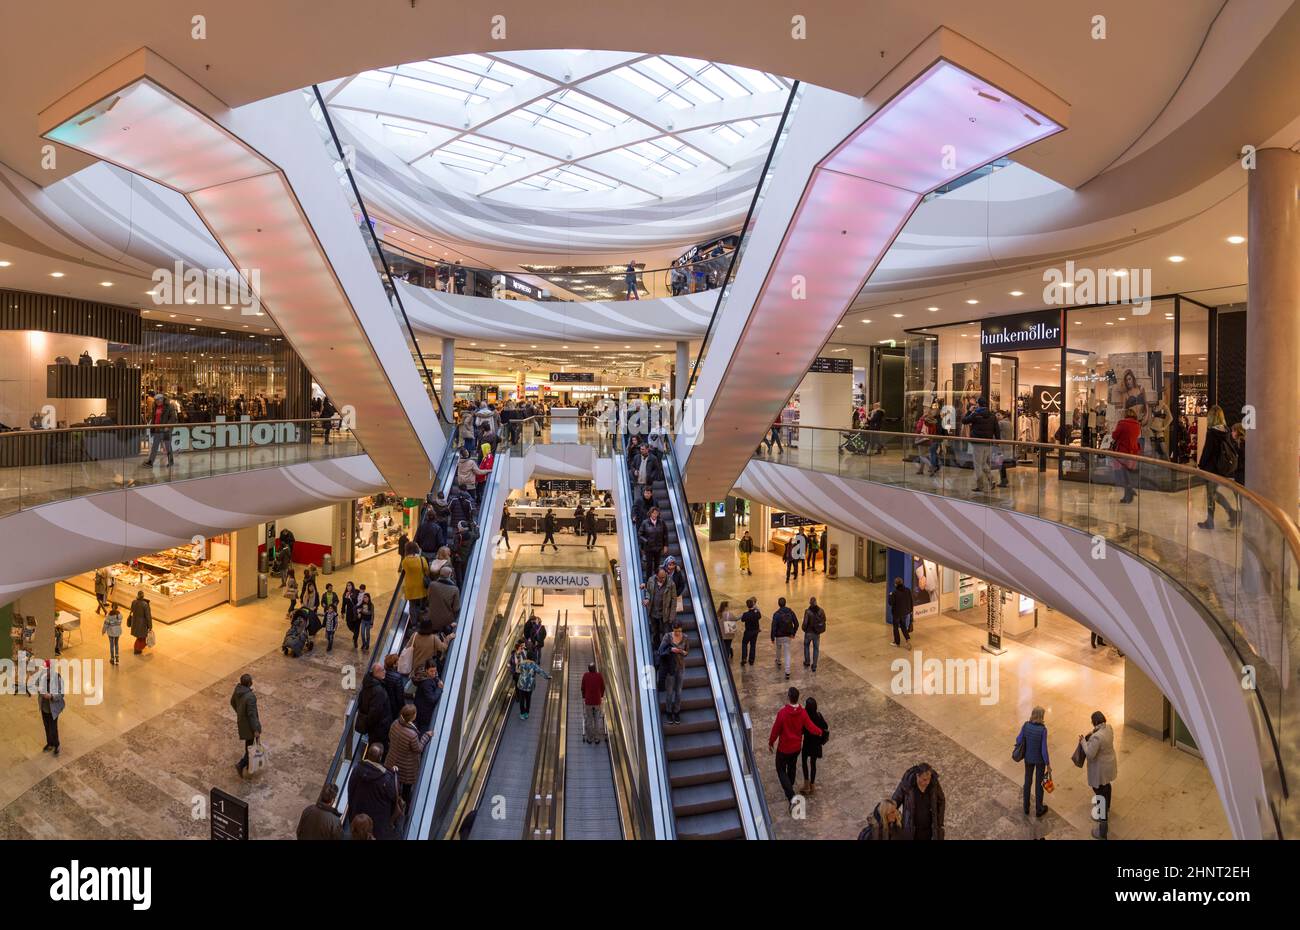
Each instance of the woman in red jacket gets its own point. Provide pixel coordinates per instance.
(1125, 439)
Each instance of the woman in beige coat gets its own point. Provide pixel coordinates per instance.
(405, 747)
(1103, 766)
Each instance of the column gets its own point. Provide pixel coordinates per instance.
(243, 564)
(683, 371)
(1273, 327)
(447, 390)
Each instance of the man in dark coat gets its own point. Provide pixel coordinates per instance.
(374, 710)
(373, 791)
(321, 820)
(919, 798)
(244, 702)
(653, 536)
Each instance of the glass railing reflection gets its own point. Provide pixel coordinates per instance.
(41, 466)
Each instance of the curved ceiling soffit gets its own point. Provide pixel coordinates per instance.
(1053, 563)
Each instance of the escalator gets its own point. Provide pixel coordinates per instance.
(713, 789)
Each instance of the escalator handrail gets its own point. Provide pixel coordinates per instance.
(425, 799)
(656, 755)
(740, 242)
(388, 274)
(707, 624)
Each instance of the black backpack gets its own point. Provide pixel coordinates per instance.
(1226, 462)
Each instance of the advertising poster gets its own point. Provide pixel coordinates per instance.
(925, 588)
(1137, 381)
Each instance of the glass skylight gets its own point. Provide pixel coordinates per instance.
(583, 123)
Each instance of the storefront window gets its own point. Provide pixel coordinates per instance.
(377, 525)
(1193, 380)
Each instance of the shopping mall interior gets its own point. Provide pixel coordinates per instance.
(831, 429)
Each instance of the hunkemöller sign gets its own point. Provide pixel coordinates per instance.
(1038, 330)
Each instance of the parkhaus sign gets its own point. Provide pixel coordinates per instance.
(1038, 330)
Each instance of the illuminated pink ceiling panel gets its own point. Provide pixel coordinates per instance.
(155, 134)
(258, 220)
(856, 200)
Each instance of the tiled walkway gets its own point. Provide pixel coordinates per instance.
(876, 734)
(132, 766)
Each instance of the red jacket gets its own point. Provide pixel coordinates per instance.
(593, 688)
(1125, 436)
(789, 725)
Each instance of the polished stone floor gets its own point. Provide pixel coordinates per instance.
(876, 734)
(134, 765)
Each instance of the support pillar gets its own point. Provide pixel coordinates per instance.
(683, 371)
(447, 390)
(1273, 328)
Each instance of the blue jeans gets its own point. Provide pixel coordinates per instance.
(160, 438)
(112, 648)
(815, 641)
(673, 690)
(1034, 776)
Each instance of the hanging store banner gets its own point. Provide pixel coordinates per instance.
(559, 580)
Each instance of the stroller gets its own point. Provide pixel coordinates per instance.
(854, 444)
(298, 640)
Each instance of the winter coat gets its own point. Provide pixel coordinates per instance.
(1125, 436)
(431, 535)
(788, 729)
(141, 618)
(372, 790)
(814, 620)
(906, 796)
(983, 424)
(320, 822)
(427, 694)
(784, 623)
(1103, 764)
(374, 710)
(113, 624)
(244, 703)
(812, 744)
(663, 600)
(654, 535)
(900, 602)
(1034, 737)
(405, 746)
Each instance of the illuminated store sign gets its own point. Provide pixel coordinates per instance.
(1039, 330)
(233, 435)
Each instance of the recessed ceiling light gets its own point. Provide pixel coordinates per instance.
(1078, 322)
(839, 325)
(933, 309)
(226, 307)
(866, 321)
(473, 343)
(658, 346)
(1235, 240)
(898, 316)
(1017, 293)
(191, 301)
(1109, 323)
(1176, 259)
(105, 283)
(4, 264)
(972, 300)
(56, 274)
(1121, 318)
(172, 315)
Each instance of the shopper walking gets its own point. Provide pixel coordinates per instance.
(593, 693)
(548, 527)
(814, 625)
(798, 553)
(141, 621)
(528, 672)
(160, 418)
(884, 822)
(784, 625)
(1124, 438)
(103, 581)
(672, 658)
(746, 548)
(247, 723)
(983, 425)
(900, 611)
(812, 746)
(505, 528)
(749, 639)
(1221, 455)
(727, 624)
(786, 739)
(1031, 748)
(919, 798)
(589, 524)
(787, 556)
(112, 628)
(1103, 766)
(629, 279)
(812, 546)
(51, 703)
(365, 620)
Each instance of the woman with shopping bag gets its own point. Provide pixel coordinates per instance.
(141, 622)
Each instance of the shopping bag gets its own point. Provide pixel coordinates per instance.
(151, 639)
(1079, 757)
(257, 758)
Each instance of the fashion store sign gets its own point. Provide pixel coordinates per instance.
(1039, 330)
(233, 435)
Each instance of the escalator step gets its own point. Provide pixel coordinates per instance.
(703, 799)
(701, 771)
(678, 745)
(696, 698)
(696, 678)
(718, 825)
(694, 720)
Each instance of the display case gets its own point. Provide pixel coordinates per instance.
(177, 584)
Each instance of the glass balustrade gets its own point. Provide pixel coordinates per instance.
(1245, 571)
(41, 466)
